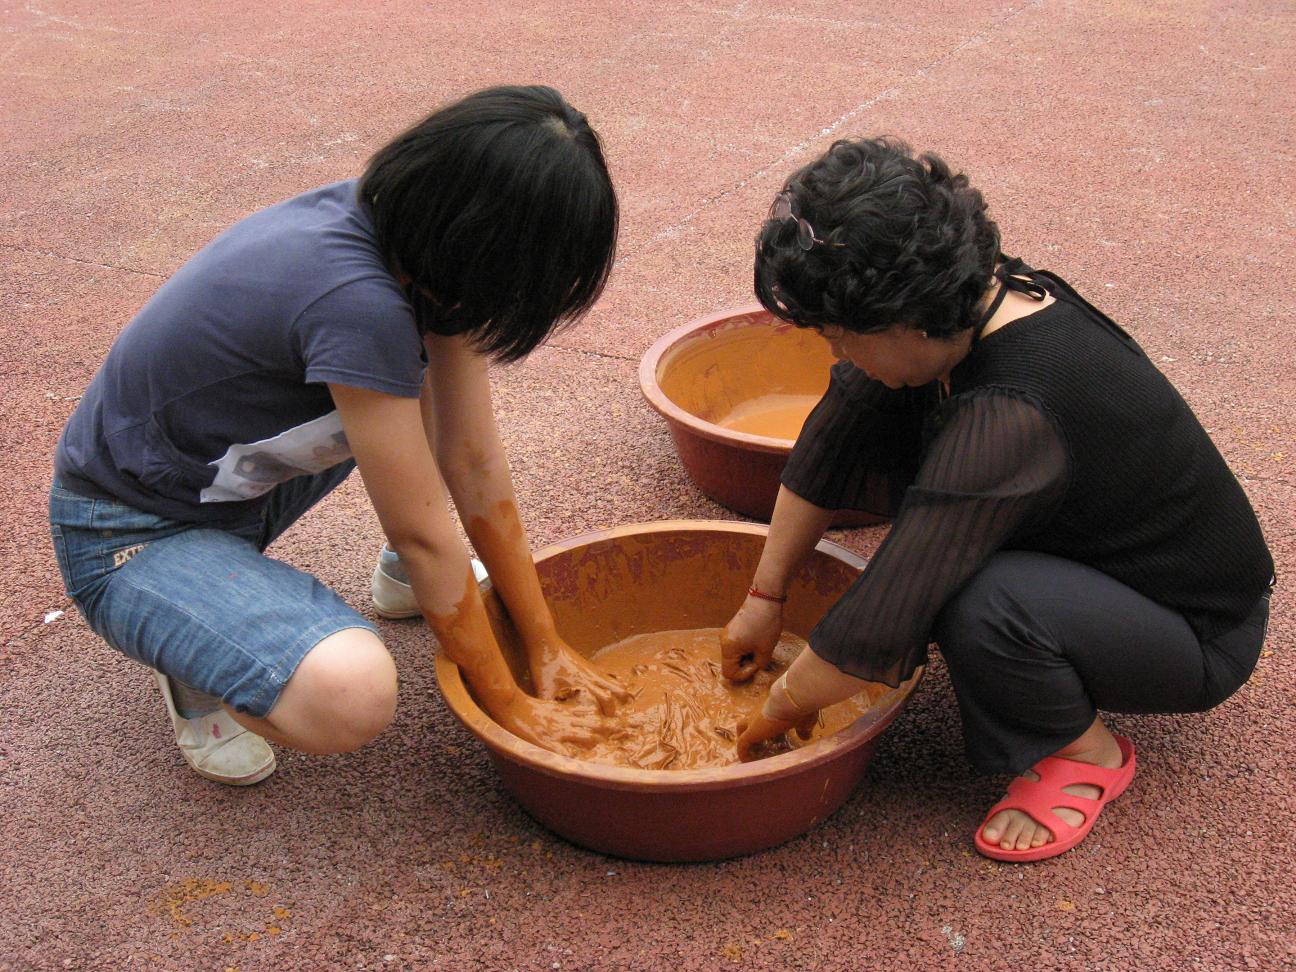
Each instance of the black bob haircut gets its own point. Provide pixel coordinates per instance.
(898, 239)
(500, 209)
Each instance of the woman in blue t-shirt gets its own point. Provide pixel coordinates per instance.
(351, 326)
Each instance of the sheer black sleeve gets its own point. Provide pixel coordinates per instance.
(861, 446)
(993, 473)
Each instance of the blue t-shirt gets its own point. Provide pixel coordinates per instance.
(215, 392)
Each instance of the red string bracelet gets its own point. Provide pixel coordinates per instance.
(753, 592)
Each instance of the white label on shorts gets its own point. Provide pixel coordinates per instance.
(249, 470)
(124, 555)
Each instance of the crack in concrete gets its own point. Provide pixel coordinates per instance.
(37, 11)
(592, 354)
(675, 228)
(88, 263)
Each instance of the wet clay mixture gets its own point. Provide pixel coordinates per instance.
(776, 416)
(685, 714)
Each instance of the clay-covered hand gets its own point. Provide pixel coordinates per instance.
(749, 639)
(760, 728)
(560, 672)
(567, 728)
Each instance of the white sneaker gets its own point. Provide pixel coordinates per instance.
(392, 595)
(216, 746)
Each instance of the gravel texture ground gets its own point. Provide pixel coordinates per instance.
(1143, 150)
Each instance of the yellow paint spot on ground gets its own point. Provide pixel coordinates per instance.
(172, 899)
(257, 889)
(782, 935)
(1064, 905)
(733, 952)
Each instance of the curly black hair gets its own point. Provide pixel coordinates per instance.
(897, 239)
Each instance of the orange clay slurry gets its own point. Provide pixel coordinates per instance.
(685, 714)
(557, 671)
(777, 416)
(467, 638)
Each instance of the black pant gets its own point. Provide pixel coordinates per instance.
(1036, 645)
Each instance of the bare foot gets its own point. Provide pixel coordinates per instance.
(1014, 830)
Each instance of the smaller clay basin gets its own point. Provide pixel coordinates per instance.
(606, 586)
(735, 388)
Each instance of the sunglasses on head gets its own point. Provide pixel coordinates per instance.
(782, 211)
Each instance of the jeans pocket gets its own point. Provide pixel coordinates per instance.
(60, 554)
(93, 537)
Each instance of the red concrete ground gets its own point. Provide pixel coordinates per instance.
(1144, 150)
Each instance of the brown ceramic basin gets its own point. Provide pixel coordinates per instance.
(735, 388)
(639, 578)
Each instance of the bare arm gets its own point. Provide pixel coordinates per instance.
(749, 639)
(796, 526)
(460, 426)
(387, 439)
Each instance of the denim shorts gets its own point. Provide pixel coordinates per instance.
(202, 604)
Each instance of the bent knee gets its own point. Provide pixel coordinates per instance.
(344, 690)
(988, 608)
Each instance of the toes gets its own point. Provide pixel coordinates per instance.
(994, 827)
(1013, 830)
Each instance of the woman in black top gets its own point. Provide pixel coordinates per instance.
(1064, 528)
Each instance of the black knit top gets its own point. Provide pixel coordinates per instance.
(1058, 436)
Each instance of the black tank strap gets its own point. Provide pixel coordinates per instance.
(1015, 275)
(1012, 274)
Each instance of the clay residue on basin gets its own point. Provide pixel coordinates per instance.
(749, 376)
(685, 713)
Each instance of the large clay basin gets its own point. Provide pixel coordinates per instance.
(719, 377)
(675, 574)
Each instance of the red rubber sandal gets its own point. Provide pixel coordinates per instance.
(1037, 798)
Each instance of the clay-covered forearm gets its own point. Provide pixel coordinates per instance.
(809, 684)
(481, 485)
(448, 595)
(500, 540)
